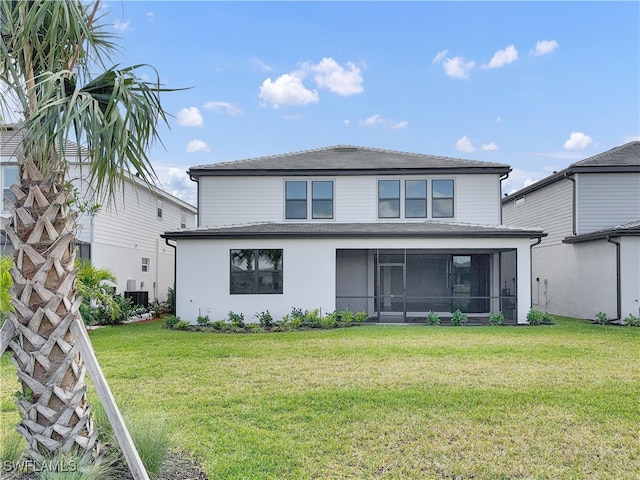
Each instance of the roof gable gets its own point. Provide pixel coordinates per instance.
(345, 159)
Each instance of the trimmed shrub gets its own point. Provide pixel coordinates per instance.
(458, 318)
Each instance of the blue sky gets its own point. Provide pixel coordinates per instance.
(536, 85)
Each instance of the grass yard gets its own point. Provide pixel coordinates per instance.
(384, 402)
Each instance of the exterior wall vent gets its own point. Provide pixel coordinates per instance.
(131, 285)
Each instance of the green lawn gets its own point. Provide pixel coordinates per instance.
(374, 402)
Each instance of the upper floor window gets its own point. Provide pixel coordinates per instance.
(442, 198)
(9, 177)
(159, 210)
(415, 199)
(145, 264)
(256, 271)
(295, 200)
(183, 219)
(389, 198)
(322, 199)
(297, 193)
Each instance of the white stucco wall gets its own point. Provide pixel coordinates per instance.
(309, 267)
(575, 280)
(630, 270)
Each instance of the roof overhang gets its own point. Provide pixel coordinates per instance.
(355, 230)
(621, 231)
(202, 172)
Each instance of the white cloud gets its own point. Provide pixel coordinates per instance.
(122, 26)
(632, 138)
(440, 56)
(150, 15)
(519, 179)
(347, 121)
(379, 121)
(336, 78)
(197, 146)
(577, 141)
(190, 117)
(287, 89)
(499, 120)
(545, 46)
(464, 144)
(224, 107)
(489, 147)
(176, 182)
(456, 67)
(503, 57)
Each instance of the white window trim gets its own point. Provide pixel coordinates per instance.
(403, 198)
(309, 181)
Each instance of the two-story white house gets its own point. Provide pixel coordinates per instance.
(391, 233)
(123, 236)
(590, 260)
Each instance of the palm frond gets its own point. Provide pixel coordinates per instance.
(114, 117)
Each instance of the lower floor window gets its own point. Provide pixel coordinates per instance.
(256, 271)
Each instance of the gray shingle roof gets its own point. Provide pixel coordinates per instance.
(366, 230)
(345, 159)
(623, 155)
(627, 229)
(621, 159)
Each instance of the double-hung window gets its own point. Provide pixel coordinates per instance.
(297, 206)
(296, 200)
(256, 271)
(442, 198)
(388, 198)
(322, 199)
(415, 199)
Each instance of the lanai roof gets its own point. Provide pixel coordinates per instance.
(369, 230)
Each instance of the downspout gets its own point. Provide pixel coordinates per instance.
(618, 279)
(175, 272)
(569, 176)
(195, 179)
(502, 178)
(531, 268)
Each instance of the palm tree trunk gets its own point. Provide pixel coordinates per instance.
(54, 408)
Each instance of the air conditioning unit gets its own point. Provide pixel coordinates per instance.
(131, 285)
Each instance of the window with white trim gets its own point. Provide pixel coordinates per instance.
(145, 264)
(388, 198)
(442, 198)
(297, 193)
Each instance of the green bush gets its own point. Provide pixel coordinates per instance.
(535, 317)
(433, 319)
(328, 321)
(170, 321)
(265, 319)
(632, 321)
(236, 319)
(203, 321)
(182, 325)
(496, 319)
(602, 318)
(458, 318)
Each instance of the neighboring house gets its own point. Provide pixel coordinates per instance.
(391, 233)
(123, 237)
(590, 260)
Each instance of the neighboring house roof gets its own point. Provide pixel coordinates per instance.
(628, 229)
(11, 143)
(11, 147)
(621, 159)
(367, 230)
(347, 160)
